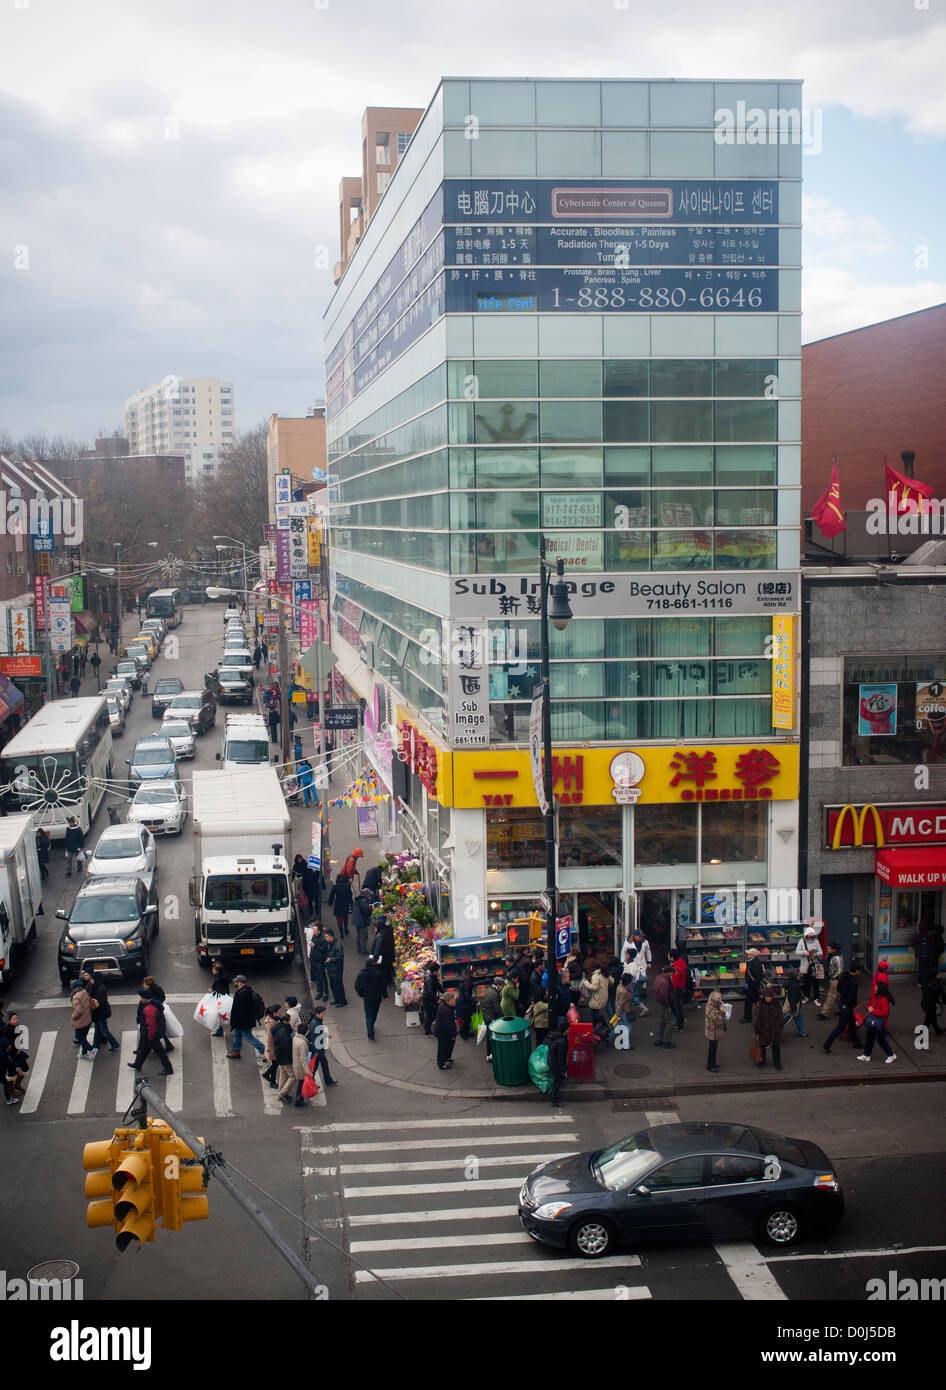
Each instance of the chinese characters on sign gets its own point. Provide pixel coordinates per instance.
(753, 769)
(783, 672)
(668, 594)
(308, 623)
(41, 602)
(419, 754)
(20, 634)
(465, 650)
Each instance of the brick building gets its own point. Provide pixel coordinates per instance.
(871, 393)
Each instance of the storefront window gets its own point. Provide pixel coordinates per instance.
(894, 710)
(589, 836)
(515, 839)
(734, 832)
(502, 911)
(665, 835)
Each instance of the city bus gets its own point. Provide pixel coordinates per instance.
(167, 604)
(58, 764)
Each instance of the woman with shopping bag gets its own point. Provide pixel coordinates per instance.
(149, 983)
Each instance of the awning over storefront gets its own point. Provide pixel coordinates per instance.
(913, 868)
(86, 623)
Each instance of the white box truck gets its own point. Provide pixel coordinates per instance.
(21, 895)
(242, 854)
(245, 743)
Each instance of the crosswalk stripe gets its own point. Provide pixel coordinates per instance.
(125, 1086)
(430, 1188)
(223, 1105)
(174, 1093)
(448, 1214)
(271, 1102)
(496, 1122)
(512, 1237)
(80, 1086)
(747, 1269)
(118, 999)
(430, 1165)
(39, 1071)
(455, 1271)
(616, 1294)
(411, 1144)
(661, 1117)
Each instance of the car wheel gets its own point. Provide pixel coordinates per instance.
(591, 1237)
(782, 1226)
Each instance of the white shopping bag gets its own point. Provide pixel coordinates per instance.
(208, 1012)
(727, 1010)
(172, 1023)
(224, 1005)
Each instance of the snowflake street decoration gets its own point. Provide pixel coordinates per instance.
(64, 564)
(44, 790)
(170, 567)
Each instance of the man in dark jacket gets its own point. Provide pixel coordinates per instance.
(248, 1009)
(74, 841)
(372, 879)
(558, 1060)
(318, 950)
(755, 978)
(281, 1038)
(371, 989)
(663, 996)
(101, 1011)
(361, 911)
(523, 972)
(538, 970)
(317, 1038)
(847, 1003)
(383, 947)
(340, 901)
(335, 969)
(219, 985)
(930, 997)
(491, 1009)
(430, 996)
(152, 1030)
(445, 1030)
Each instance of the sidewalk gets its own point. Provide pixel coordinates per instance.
(402, 1057)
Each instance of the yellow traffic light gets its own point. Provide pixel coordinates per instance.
(181, 1181)
(133, 1180)
(99, 1160)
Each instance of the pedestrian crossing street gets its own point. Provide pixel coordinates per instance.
(419, 1222)
(205, 1081)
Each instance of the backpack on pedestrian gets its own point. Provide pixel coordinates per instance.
(259, 1008)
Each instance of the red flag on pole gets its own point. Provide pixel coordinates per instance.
(827, 513)
(905, 494)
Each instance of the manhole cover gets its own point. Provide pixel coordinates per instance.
(56, 1270)
(631, 1069)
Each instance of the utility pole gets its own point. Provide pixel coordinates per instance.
(284, 681)
(118, 577)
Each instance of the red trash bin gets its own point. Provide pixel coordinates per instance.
(581, 1052)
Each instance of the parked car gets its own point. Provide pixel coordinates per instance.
(153, 758)
(116, 714)
(682, 1182)
(161, 806)
(149, 642)
(108, 929)
(140, 652)
(231, 613)
(198, 706)
(131, 670)
(179, 734)
(123, 849)
(239, 660)
(233, 688)
(156, 626)
(163, 693)
(120, 687)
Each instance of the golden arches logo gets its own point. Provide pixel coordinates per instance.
(857, 822)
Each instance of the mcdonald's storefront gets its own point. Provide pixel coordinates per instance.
(901, 852)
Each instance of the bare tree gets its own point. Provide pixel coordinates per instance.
(236, 501)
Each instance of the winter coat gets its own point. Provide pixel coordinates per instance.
(847, 989)
(881, 1008)
(431, 992)
(383, 945)
(678, 975)
(370, 985)
(445, 1025)
(42, 848)
(509, 999)
(372, 879)
(361, 912)
(490, 1006)
(540, 1014)
(465, 1002)
(246, 1011)
(153, 1024)
(335, 959)
(767, 1022)
(558, 1052)
(663, 989)
(523, 972)
(755, 974)
(600, 983)
(809, 952)
(340, 898)
(535, 979)
(623, 1000)
(74, 838)
(932, 994)
(644, 954)
(282, 1043)
(269, 1050)
(98, 991)
(834, 966)
(81, 1016)
(220, 983)
(714, 1020)
(304, 771)
(793, 996)
(318, 950)
(300, 1056)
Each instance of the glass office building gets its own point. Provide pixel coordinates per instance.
(576, 314)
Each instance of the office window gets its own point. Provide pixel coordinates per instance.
(403, 140)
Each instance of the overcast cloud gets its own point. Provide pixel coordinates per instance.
(171, 168)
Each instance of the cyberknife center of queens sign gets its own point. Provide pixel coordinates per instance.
(666, 594)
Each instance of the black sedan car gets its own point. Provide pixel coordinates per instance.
(682, 1182)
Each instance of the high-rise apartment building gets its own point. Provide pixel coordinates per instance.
(576, 314)
(385, 134)
(189, 415)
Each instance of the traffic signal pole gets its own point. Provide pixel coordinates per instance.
(214, 1166)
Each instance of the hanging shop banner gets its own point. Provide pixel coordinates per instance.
(783, 672)
(345, 717)
(876, 711)
(298, 547)
(77, 597)
(283, 557)
(20, 632)
(301, 593)
(283, 489)
(315, 536)
(21, 667)
(60, 624)
(661, 595)
(315, 857)
(41, 602)
(308, 623)
(535, 746)
(464, 653)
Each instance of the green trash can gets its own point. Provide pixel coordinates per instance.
(511, 1042)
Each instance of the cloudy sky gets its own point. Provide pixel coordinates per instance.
(171, 168)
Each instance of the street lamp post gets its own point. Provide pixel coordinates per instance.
(242, 545)
(559, 614)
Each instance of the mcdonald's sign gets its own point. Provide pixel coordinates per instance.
(858, 820)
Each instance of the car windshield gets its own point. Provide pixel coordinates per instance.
(247, 751)
(153, 796)
(246, 893)
(177, 731)
(240, 658)
(121, 847)
(112, 703)
(186, 702)
(104, 907)
(126, 668)
(623, 1164)
(167, 687)
(151, 757)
